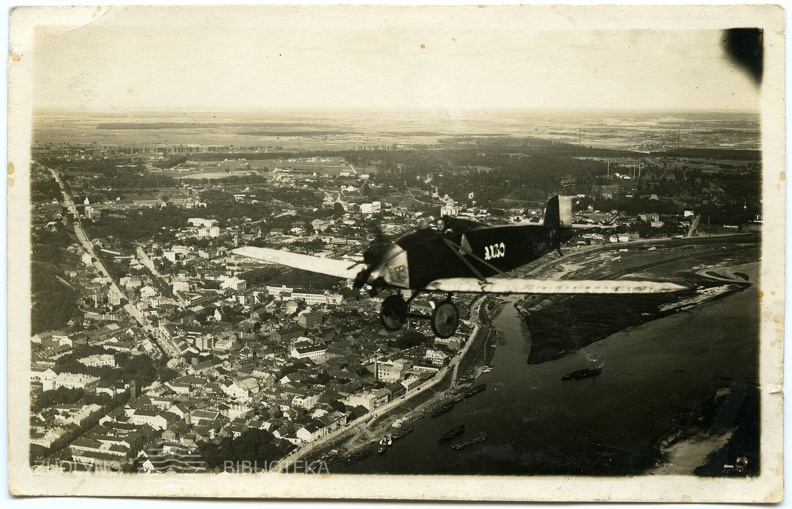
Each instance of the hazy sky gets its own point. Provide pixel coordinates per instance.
(199, 59)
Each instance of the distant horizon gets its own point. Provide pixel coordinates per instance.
(313, 111)
(299, 128)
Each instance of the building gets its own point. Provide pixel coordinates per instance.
(310, 319)
(131, 282)
(92, 213)
(304, 350)
(453, 343)
(185, 384)
(313, 298)
(368, 400)
(606, 191)
(334, 299)
(396, 390)
(392, 371)
(200, 222)
(148, 416)
(46, 376)
(234, 283)
(225, 344)
(291, 306)
(206, 342)
(114, 296)
(285, 334)
(311, 431)
(94, 452)
(374, 207)
(180, 286)
(71, 381)
(310, 298)
(120, 255)
(436, 357)
(333, 420)
(411, 382)
(168, 330)
(98, 360)
(236, 410)
(306, 401)
(279, 291)
(449, 209)
(148, 292)
(651, 217)
(234, 390)
(204, 416)
(113, 388)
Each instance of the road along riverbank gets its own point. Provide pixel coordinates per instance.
(654, 374)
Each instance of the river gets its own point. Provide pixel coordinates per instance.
(604, 425)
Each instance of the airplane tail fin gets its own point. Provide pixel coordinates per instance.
(558, 212)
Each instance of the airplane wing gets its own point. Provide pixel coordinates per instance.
(549, 286)
(337, 268)
(585, 226)
(593, 226)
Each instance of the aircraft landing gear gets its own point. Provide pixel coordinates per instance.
(393, 313)
(445, 319)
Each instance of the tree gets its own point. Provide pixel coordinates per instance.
(409, 339)
(60, 396)
(337, 405)
(254, 445)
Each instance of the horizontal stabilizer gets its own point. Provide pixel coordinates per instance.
(328, 266)
(549, 286)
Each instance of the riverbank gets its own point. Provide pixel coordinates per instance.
(719, 439)
(361, 438)
(610, 424)
(586, 319)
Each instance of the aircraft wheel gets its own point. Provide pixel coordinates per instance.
(393, 313)
(445, 319)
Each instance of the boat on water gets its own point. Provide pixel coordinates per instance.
(402, 432)
(475, 390)
(480, 437)
(317, 465)
(358, 455)
(384, 443)
(445, 407)
(452, 434)
(581, 374)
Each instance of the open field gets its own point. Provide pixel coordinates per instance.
(349, 129)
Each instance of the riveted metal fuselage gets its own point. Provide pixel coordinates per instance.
(421, 257)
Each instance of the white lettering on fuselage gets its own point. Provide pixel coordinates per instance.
(495, 251)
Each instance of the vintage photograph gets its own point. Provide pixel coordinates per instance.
(473, 253)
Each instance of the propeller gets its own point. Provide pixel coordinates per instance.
(373, 255)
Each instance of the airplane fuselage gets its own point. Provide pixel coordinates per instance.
(469, 250)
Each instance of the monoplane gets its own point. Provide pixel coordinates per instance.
(459, 256)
